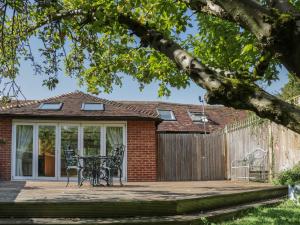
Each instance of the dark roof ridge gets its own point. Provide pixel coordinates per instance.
(169, 103)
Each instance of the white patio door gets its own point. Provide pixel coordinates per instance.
(23, 154)
(35, 151)
(38, 147)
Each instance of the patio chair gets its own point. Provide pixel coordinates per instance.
(90, 166)
(72, 163)
(116, 162)
(253, 162)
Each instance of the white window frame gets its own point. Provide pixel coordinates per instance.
(199, 121)
(58, 124)
(92, 103)
(173, 118)
(60, 104)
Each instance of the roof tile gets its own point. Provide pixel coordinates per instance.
(218, 116)
(72, 108)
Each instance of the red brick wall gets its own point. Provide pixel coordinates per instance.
(141, 151)
(5, 149)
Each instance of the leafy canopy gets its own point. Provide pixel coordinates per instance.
(291, 88)
(84, 39)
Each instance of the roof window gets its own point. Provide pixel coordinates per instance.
(198, 117)
(92, 106)
(166, 114)
(51, 106)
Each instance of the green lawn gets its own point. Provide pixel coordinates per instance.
(285, 213)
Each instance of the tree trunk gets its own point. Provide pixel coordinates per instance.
(277, 28)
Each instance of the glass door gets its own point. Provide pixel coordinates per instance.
(91, 140)
(38, 148)
(114, 137)
(46, 151)
(24, 151)
(69, 140)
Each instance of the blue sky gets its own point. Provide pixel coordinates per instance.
(32, 88)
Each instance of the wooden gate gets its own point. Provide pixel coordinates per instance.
(183, 157)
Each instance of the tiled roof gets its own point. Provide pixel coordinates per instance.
(13, 103)
(218, 116)
(72, 108)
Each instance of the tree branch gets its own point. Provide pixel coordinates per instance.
(221, 90)
(284, 6)
(208, 7)
(248, 13)
(56, 17)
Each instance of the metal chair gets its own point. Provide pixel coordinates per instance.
(72, 163)
(105, 172)
(254, 161)
(116, 162)
(95, 169)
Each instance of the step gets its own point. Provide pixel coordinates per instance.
(113, 209)
(192, 219)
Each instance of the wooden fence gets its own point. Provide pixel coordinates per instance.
(191, 157)
(282, 144)
(209, 157)
(242, 138)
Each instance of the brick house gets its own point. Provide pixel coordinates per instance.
(33, 134)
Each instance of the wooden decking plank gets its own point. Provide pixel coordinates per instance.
(193, 219)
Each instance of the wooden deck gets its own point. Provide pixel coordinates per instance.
(29, 200)
(150, 191)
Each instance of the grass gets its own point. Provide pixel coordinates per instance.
(285, 213)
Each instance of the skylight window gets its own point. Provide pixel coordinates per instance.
(51, 106)
(92, 107)
(166, 114)
(198, 117)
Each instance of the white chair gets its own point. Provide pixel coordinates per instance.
(253, 162)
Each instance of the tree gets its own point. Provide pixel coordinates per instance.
(291, 88)
(238, 44)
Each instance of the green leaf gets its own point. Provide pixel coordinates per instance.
(248, 48)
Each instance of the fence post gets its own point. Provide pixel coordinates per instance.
(271, 152)
(226, 155)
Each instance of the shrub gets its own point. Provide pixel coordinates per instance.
(290, 176)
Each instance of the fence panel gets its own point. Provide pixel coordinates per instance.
(282, 144)
(242, 138)
(191, 157)
(285, 148)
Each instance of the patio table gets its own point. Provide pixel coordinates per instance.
(95, 169)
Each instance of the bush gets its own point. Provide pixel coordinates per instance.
(290, 176)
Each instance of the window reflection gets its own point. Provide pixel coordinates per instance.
(69, 140)
(24, 150)
(46, 157)
(91, 140)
